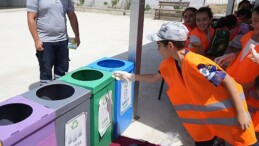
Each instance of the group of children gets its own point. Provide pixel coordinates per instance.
(211, 100)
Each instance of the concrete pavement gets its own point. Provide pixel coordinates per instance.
(102, 35)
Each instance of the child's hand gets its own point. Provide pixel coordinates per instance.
(225, 59)
(122, 75)
(243, 121)
(254, 56)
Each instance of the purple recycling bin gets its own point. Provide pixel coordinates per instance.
(26, 123)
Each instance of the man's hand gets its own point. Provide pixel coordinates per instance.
(122, 75)
(38, 45)
(77, 40)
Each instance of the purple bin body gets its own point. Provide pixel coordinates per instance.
(26, 123)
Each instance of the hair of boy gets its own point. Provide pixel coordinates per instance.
(256, 9)
(194, 10)
(243, 2)
(231, 21)
(245, 13)
(221, 22)
(205, 10)
(177, 44)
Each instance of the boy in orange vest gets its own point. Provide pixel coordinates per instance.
(207, 100)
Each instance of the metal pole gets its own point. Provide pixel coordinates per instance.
(204, 1)
(230, 7)
(135, 43)
(256, 3)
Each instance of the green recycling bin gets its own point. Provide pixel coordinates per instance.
(102, 86)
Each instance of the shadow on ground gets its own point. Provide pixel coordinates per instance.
(158, 114)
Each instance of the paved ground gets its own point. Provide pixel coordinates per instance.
(102, 35)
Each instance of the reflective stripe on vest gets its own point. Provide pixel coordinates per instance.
(208, 108)
(207, 115)
(253, 101)
(213, 121)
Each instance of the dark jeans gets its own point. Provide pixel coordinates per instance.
(206, 143)
(54, 54)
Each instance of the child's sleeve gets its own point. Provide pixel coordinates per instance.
(212, 73)
(193, 39)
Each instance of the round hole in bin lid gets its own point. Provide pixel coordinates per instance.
(14, 113)
(87, 75)
(111, 63)
(55, 92)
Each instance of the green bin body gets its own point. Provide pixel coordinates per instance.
(102, 86)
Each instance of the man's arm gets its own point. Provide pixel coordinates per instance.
(242, 117)
(74, 24)
(31, 17)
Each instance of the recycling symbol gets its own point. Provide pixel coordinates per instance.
(74, 124)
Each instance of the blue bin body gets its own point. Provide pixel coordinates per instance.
(123, 107)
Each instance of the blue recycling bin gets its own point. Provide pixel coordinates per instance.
(124, 92)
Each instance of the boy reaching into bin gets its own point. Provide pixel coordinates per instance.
(208, 101)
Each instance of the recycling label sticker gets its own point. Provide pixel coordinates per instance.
(126, 93)
(105, 113)
(75, 132)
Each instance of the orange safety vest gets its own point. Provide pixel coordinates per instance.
(188, 27)
(205, 43)
(179, 97)
(205, 110)
(243, 72)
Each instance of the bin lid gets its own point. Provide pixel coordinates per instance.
(59, 95)
(89, 78)
(112, 64)
(30, 116)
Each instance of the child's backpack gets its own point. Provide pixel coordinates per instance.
(219, 43)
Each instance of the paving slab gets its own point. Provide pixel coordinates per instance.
(102, 35)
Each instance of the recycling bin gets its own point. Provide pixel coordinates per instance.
(101, 85)
(26, 123)
(71, 105)
(124, 92)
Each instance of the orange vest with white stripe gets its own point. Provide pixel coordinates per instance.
(244, 72)
(205, 43)
(205, 110)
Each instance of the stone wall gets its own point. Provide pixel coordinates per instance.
(111, 11)
(148, 14)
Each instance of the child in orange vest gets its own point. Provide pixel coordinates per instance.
(207, 100)
(254, 56)
(189, 18)
(242, 68)
(200, 38)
